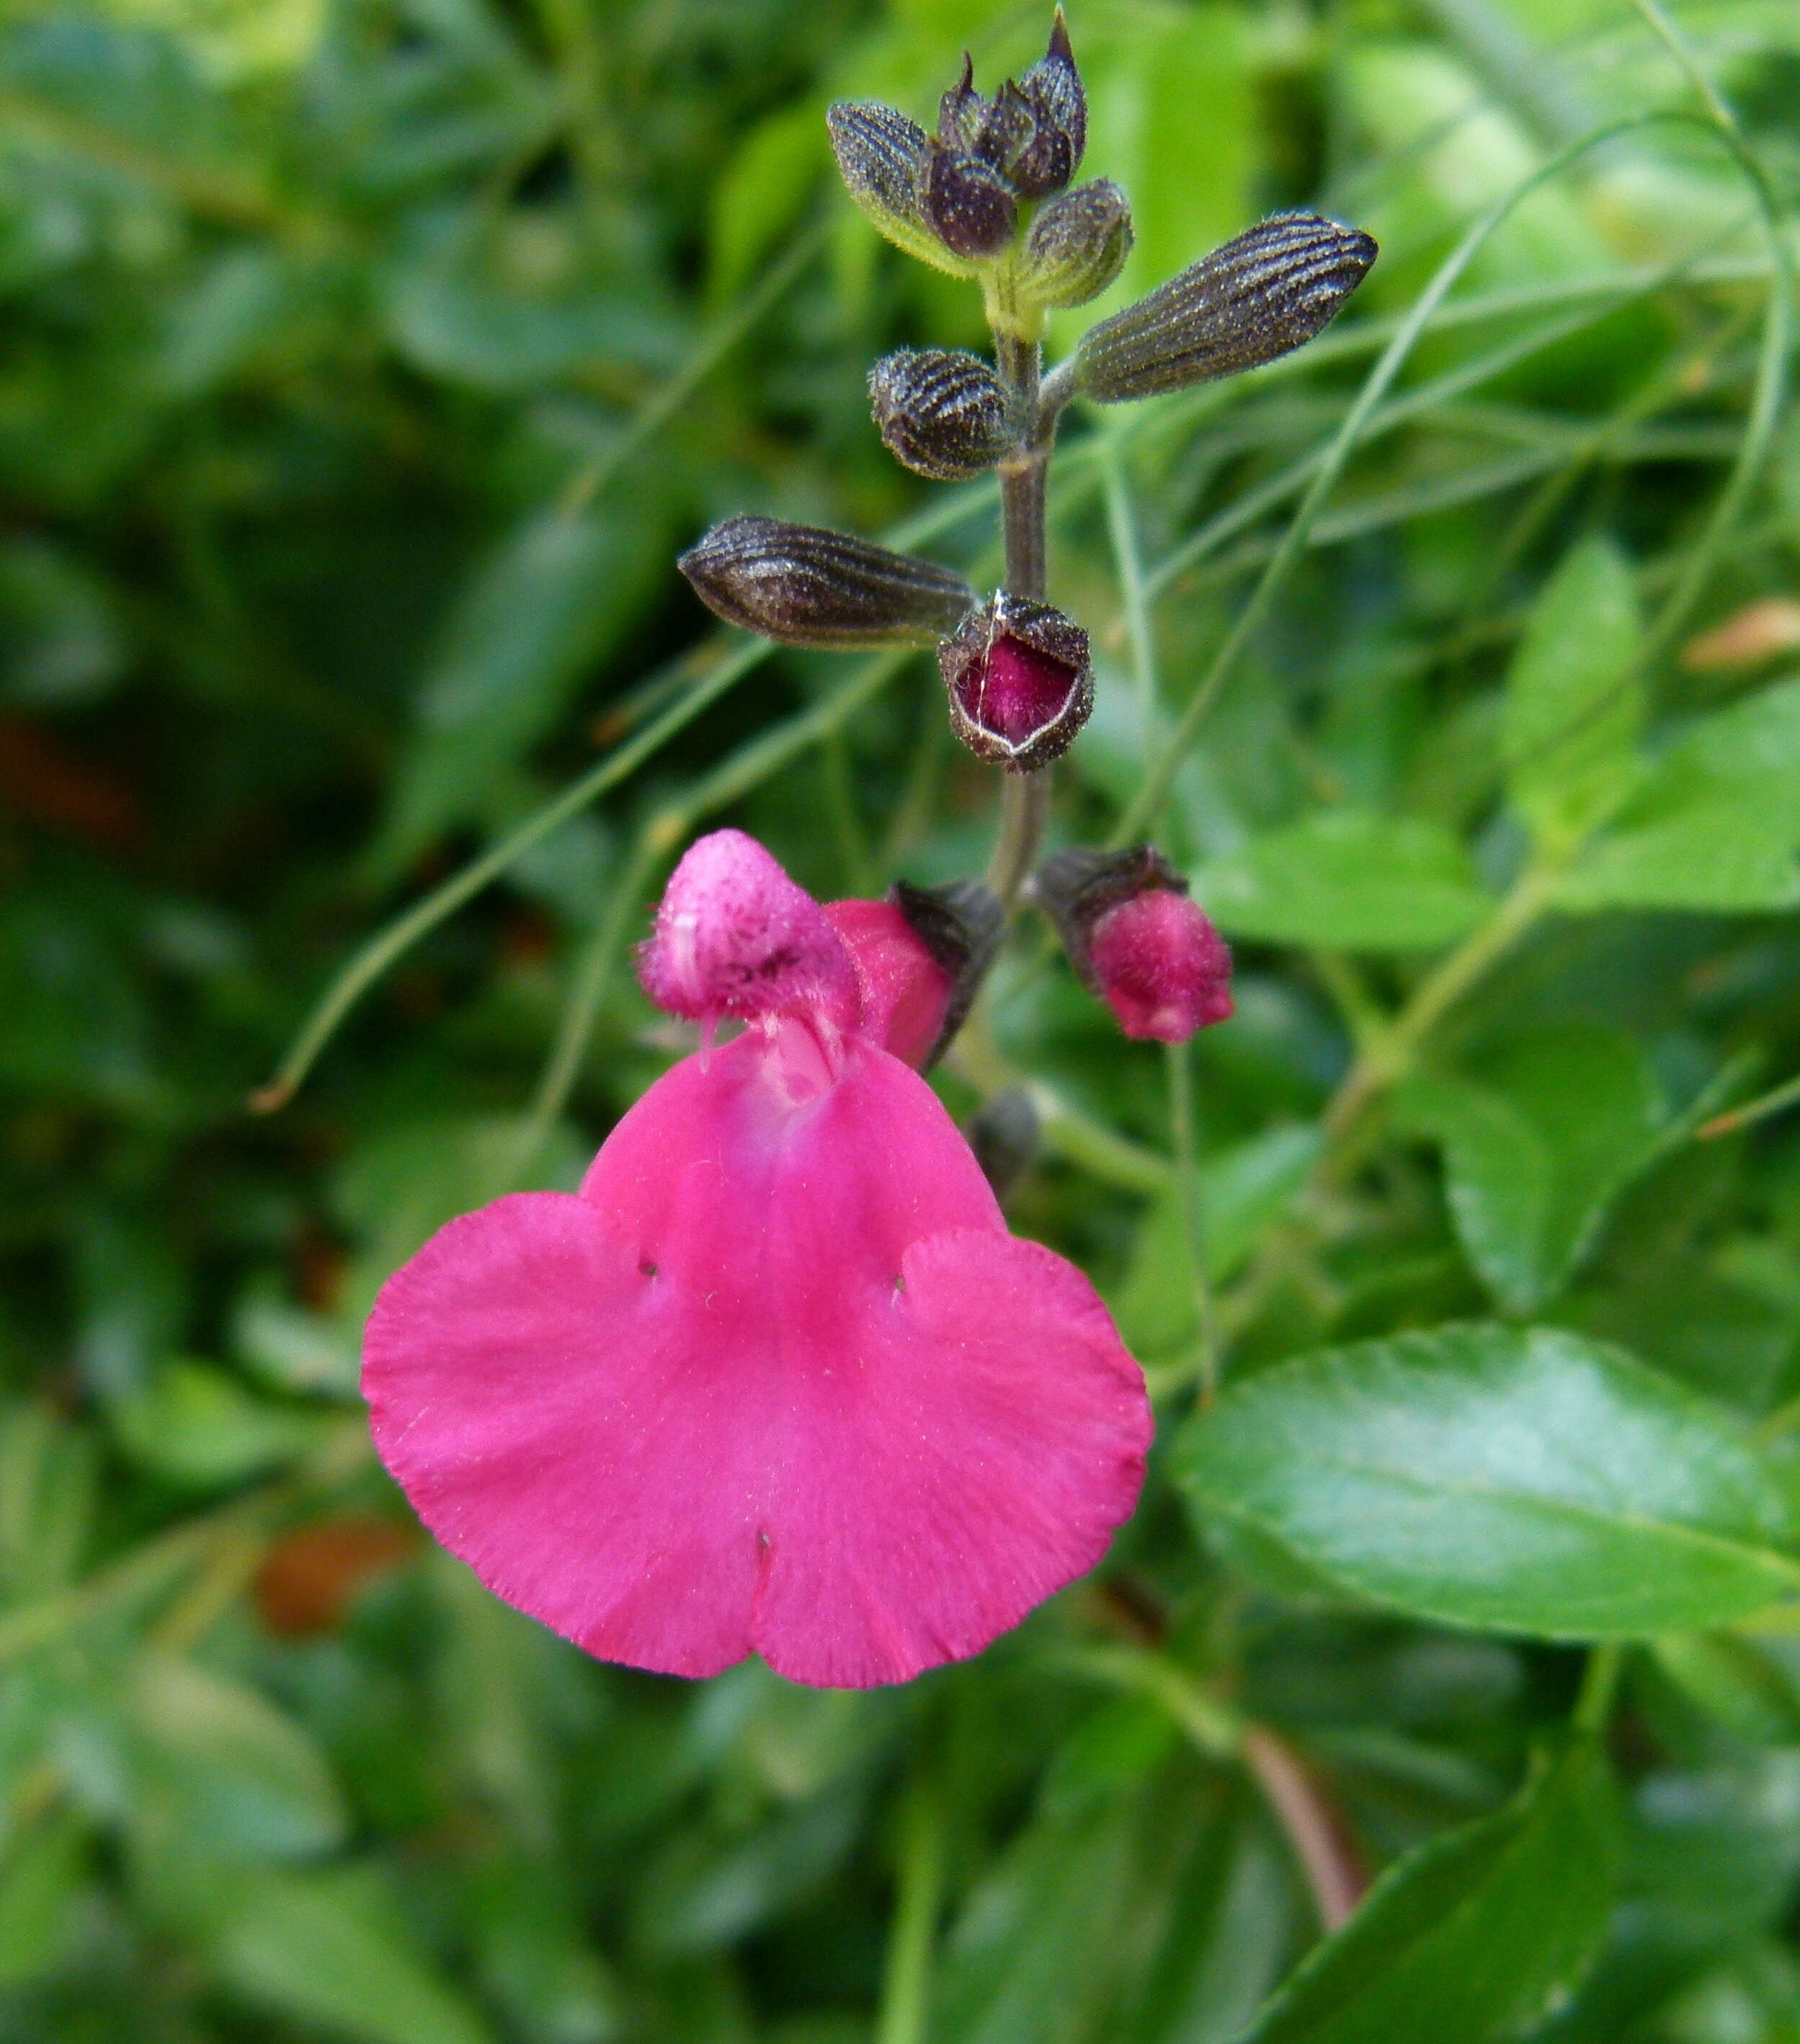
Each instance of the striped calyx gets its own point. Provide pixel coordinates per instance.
(1262, 294)
(1078, 244)
(805, 586)
(941, 413)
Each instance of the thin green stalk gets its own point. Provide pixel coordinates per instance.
(381, 951)
(905, 1978)
(660, 836)
(1600, 1689)
(1771, 388)
(721, 338)
(1122, 527)
(1025, 798)
(1025, 809)
(1391, 1056)
(1774, 1102)
(1179, 1059)
(214, 194)
(1154, 789)
(581, 1010)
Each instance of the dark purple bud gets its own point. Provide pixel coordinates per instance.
(1006, 127)
(1078, 245)
(806, 586)
(967, 206)
(881, 158)
(1019, 684)
(1136, 940)
(960, 111)
(942, 413)
(1003, 1135)
(1059, 109)
(1262, 295)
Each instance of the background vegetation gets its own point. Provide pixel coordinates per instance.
(363, 364)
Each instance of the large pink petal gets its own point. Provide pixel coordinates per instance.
(969, 1450)
(778, 1379)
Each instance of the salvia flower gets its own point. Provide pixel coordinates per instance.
(1137, 941)
(806, 586)
(1019, 682)
(777, 1379)
(1266, 292)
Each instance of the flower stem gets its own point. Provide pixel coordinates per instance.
(1599, 1688)
(1025, 809)
(1025, 798)
(1193, 1215)
(906, 1981)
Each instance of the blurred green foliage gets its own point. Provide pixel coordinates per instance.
(364, 363)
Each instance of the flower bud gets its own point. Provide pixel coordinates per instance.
(1262, 294)
(1019, 684)
(966, 204)
(881, 159)
(1002, 1133)
(905, 992)
(736, 936)
(920, 957)
(960, 925)
(943, 413)
(1136, 940)
(1078, 245)
(1051, 89)
(807, 586)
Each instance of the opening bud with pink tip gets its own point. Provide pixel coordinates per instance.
(1019, 682)
(1137, 940)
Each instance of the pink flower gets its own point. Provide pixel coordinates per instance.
(777, 1379)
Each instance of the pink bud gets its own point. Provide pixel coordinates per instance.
(736, 936)
(1162, 967)
(906, 993)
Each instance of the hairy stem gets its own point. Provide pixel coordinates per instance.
(1025, 798)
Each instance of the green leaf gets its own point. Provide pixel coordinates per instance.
(760, 195)
(1738, 1681)
(1574, 706)
(1347, 880)
(198, 1426)
(42, 1878)
(1535, 1153)
(1478, 1935)
(330, 1949)
(1715, 824)
(1243, 1191)
(1528, 1480)
(228, 1772)
(1034, 1950)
